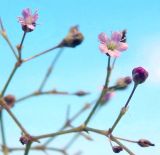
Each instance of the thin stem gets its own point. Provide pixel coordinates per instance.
(20, 46)
(9, 80)
(2, 129)
(68, 122)
(11, 47)
(78, 129)
(123, 110)
(127, 140)
(4, 149)
(123, 146)
(4, 105)
(71, 141)
(134, 88)
(28, 146)
(105, 89)
(50, 69)
(4, 35)
(39, 54)
(37, 93)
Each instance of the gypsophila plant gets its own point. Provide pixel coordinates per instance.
(111, 47)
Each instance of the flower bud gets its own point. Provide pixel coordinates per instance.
(145, 143)
(122, 83)
(81, 93)
(73, 39)
(25, 139)
(124, 39)
(107, 97)
(117, 149)
(139, 75)
(10, 100)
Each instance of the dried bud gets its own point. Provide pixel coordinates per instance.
(139, 75)
(10, 100)
(25, 139)
(73, 39)
(124, 39)
(117, 149)
(145, 143)
(81, 93)
(107, 97)
(122, 83)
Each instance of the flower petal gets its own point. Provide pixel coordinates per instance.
(35, 16)
(31, 26)
(103, 48)
(116, 36)
(114, 53)
(122, 46)
(102, 37)
(26, 13)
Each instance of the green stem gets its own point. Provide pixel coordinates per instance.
(134, 88)
(66, 124)
(28, 146)
(9, 80)
(123, 110)
(104, 91)
(78, 129)
(39, 54)
(4, 105)
(50, 69)
(11, 47)
(20, 46)
(4, 149)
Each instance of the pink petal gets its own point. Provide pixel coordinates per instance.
(31, 26)
(114, 53)
(116, 36)
(103, 48)
(102, 37)
(122, 46)
(35, 16)
(26, 13)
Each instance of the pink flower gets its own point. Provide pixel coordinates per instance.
(28, 21)
(114, 45)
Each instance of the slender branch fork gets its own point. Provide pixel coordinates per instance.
(80, 129)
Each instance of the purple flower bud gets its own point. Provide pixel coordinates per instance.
(25, 139)
(145, 143)
(139, 75)
(117, 149)
(10, 100)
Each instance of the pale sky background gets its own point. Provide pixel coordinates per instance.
(84, 68)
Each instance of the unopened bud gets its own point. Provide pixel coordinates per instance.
(73, 39)
(139, 75)
(25, 139)
(122, 83)
(10, 100)
(117, 149)
(145, 143)
(81, 93)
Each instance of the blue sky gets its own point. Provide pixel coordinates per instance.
(84, 68)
